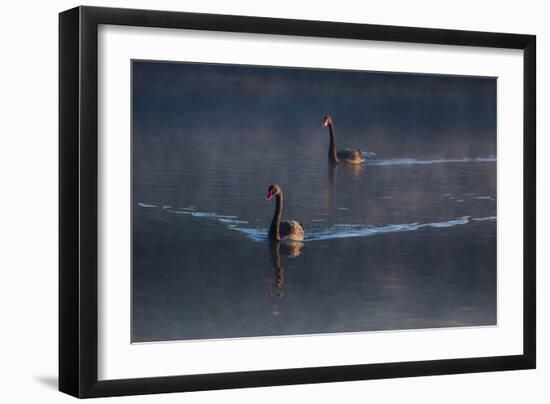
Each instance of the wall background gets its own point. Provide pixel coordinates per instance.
(28, 210)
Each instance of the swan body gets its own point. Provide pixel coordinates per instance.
(287, 230)
(354, 156)
(350, 156)
(291, 230)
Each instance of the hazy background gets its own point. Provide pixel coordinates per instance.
(397, 115)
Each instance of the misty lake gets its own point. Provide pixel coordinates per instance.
(405, 241)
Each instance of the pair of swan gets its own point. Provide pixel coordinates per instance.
(293, 229)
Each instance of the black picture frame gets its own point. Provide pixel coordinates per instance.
(78, 201)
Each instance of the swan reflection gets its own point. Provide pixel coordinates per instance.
(291, 249)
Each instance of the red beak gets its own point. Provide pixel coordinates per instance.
(325, 123)
(269, 195)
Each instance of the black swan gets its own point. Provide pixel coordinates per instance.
(354, 156)
(287, 230)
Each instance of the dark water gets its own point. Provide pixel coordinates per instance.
(406, 241)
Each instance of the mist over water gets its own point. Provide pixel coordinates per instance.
(407, 240)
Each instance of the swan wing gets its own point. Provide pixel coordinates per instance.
(292, 230)
(351, 156)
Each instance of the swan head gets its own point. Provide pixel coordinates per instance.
(327, 121)
(272, 191)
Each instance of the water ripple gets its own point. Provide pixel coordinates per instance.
(411, 161)
(335, 231)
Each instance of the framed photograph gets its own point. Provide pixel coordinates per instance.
(251, 201)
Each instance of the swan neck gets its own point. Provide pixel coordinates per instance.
(274, 233)
(333, 158)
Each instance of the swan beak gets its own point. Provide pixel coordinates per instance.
(325, 123)
(269, 196)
